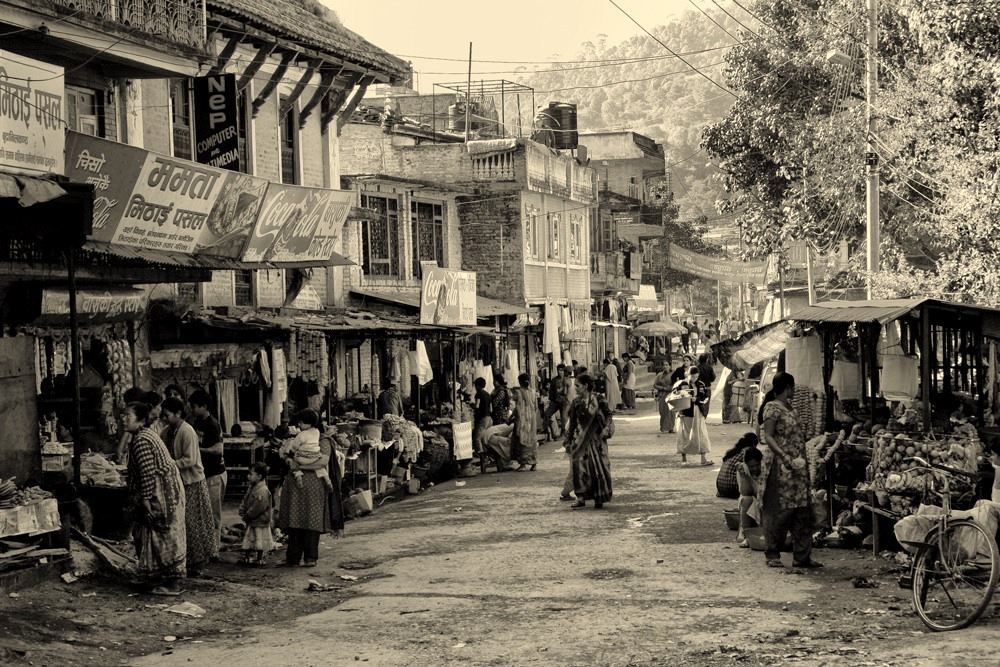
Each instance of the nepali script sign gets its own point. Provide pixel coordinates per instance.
(147, 200)
(31, 115)
(448, 297)
(94, 306)
(682, 259)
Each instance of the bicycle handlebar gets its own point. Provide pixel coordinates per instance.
(940, 466)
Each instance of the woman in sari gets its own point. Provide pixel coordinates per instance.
(612, 390)
(693, 436)
(306, 509)
(156, 500)
(525, 420)
(783, 492)
(182, 441)
(586, 443)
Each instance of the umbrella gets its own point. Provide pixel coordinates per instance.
(668, 328)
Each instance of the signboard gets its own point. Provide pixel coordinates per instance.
(682, 259)
(298, 224)
(31, 115)
(216, 121)
(448, 297)
(146, 200)
(94, 306)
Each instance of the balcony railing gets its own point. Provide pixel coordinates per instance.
(494, 167)
(181, 21)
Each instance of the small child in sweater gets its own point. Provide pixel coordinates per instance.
(304, 449)
(255, 510)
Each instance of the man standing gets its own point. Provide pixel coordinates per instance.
(661, 386)
(390, 402)
(707, 375)
(558, 402)
(210, 433)
(483, 413)
(628, 381)
(686, 337)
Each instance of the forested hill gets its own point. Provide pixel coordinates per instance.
(637, 85)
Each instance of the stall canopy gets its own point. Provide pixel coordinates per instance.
(485, 307)
(754, 346)
(890, 310)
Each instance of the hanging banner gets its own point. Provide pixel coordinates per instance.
(216, 127)
(448, 297)
(31, 115)
(298, 224)
(713, 268)
(147, 200)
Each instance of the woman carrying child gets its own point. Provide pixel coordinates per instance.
(255, 511)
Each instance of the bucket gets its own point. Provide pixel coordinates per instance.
(370, 429)
(678, 403)
(732, 519)
(413, 487)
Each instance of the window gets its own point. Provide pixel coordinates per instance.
(531, 231)
(189, 292)
(633, 187)
(243, 288)
(243, 129)
(380, 238)
(603, 233)
(555, 230)
(287, 133)
(427, 224)
(85, 111)
(180, 116)
(576, 238)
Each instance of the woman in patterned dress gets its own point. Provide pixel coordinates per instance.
(156, 502)
(305, 512)
(525, 420)
(783, 491)
(182, 440)
(587, 444)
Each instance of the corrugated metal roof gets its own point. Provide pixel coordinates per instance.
(485, 307)
(880, 311)
(356, 322)
(296, 23)
(212, 262)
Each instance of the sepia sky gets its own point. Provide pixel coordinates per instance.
(428, 31)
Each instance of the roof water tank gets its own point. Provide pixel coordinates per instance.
(560, 118)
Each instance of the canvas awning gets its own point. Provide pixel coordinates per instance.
(754, 346)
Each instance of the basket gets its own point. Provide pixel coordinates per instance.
(732, 519)
(370, 429)
(678, 403)
(348, 428)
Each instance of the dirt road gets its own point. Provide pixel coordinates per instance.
(498, 571)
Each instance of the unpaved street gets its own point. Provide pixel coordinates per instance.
(498, 571)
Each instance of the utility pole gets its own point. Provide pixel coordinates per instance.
(468, 96)
(871, 157)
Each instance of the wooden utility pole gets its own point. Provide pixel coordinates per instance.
(871, 157)
(468, 97)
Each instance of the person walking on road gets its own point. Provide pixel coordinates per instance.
(628, 381)
(210, 442)
(661, 386)
(590, 425)
(558, 402)
(784, 485)
(612, 393)
(707, 375)
(693, 436)
(525, 421)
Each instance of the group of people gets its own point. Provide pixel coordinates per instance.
(173, 450)
(776, 481)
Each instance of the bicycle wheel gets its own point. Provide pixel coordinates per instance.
(954, 577)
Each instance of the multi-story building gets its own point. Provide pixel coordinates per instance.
(512, 210)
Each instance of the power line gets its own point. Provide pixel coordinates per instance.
(563, 62)
(673, 53)
(712, 19)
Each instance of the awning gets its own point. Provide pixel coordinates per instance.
(754, 346)
(211, 262)
(880, 311)
(485, 307)
(27, 190)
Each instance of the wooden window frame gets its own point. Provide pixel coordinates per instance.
(419, 227)
(387, 262)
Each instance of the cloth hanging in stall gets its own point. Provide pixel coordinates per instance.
(804, 360)
(900, 378)
(553, 318)
(420, 364)
(567, 359)
(485, 372)
(275, 399)
(395, 374)
(265, 368)
(511, 368)
(846, 379)
(229, 413)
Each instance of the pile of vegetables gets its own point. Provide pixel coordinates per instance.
(11, 496)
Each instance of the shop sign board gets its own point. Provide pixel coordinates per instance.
(216, 121)
(94, 306)
(147, 200)
(31, 115)
(713, 268)
(448, 297)
(298, 224)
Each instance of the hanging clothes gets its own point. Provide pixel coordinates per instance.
(511, 368)
(550, 342)
(229, 411)
(265, 368)
(420, 364)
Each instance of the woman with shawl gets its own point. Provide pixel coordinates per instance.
(586, 443)
(525, 421)
(182, 441)
(157, 505)
(693, 436)
(612, 391)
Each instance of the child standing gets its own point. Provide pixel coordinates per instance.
(304, 449)
(255, 510)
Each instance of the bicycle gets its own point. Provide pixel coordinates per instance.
(957, 564)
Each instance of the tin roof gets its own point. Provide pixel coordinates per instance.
(881, 311)
(485, 307)
(293, 21)
(212, 262)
